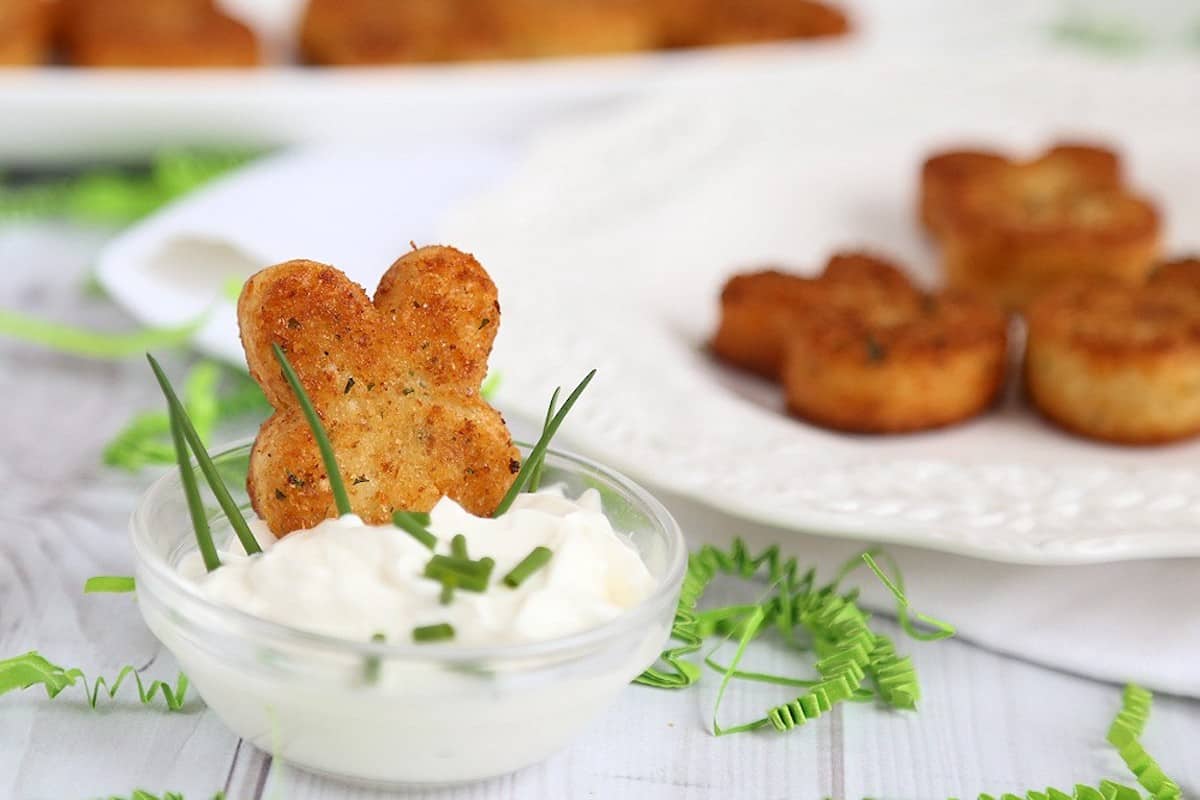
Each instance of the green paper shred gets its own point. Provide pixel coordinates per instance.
(110, 196)
(212, 395)
(142, 794)
(1111, 36)
(848, 653)
(108, 584)
(31, 669)
(95, 344)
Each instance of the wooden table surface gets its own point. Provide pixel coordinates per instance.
(987, 722)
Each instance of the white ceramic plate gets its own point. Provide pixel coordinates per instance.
(612, 242)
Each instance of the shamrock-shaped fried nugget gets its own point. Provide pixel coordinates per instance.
(395, 381)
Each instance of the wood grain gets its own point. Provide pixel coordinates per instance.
(987, 722)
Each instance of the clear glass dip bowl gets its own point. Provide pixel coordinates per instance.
(387, 714)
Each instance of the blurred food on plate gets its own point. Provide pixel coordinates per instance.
(197, 33)
(24, 32)
(1119, 363)
(1010, 229)
(859, 348)
(152, 33)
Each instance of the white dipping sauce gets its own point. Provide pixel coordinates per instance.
(347, 579)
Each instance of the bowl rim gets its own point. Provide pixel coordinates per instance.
(244, 625)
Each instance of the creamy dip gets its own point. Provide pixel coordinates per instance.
(348, 579)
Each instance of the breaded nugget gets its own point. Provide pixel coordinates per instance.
(704, 23)
(363, 32)
(1009, 230)
(547, 28)
(758, 310)
(1116, 363)
(154, 33)
(24, 32)
(360, 32)
(925, 368)
(396, 382)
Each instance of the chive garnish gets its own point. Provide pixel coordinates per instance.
(433, 633)
(232, 512)
(539, 450)
(535, 480)
(471, 576)
(372, 665)
(204, 540)
(537, 558)
(448, 584)
(458, 546)
(415, 524)
(340, 498)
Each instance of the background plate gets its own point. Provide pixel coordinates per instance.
(611, 244)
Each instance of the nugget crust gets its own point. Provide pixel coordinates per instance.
(396, 382)
(1119, 364)
(1010, 230)
(759, 309)
(928, 367)
(360, 32)
(24, 32)
(154, 33)
(704, 23)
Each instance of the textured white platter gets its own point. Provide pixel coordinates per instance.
(611, 243)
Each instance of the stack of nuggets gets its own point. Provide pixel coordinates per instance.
(859, 348)
(1010, 230)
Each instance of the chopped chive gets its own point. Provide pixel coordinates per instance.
(535, 480)
(415, 524)
(340, 498)
(179, 413)
(470, 576)
(433, 633)
(373, 664)
(458, 546)
(115, 584)
(536, 559)
(539, 449)
(448, 584)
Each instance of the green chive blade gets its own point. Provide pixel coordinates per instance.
(433, 633)
(535, 480)
(458, 546)
(537, 558)
(227, 503)
(449, 582)
(373, 664)
(204, 540)
(340, 498)
(539, 450)
(415, 524)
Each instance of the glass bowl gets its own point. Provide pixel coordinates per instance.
(389, 714)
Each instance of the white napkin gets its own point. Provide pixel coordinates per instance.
(356, 209)
(1124, 621)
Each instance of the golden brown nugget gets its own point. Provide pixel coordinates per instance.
(24, 32)
(704, 23)
(396, 382)
(154, 33)
(1010, 230)
(365, 32)
(548, 28)
(934, 365)
(758, 310)
(1118, 364)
